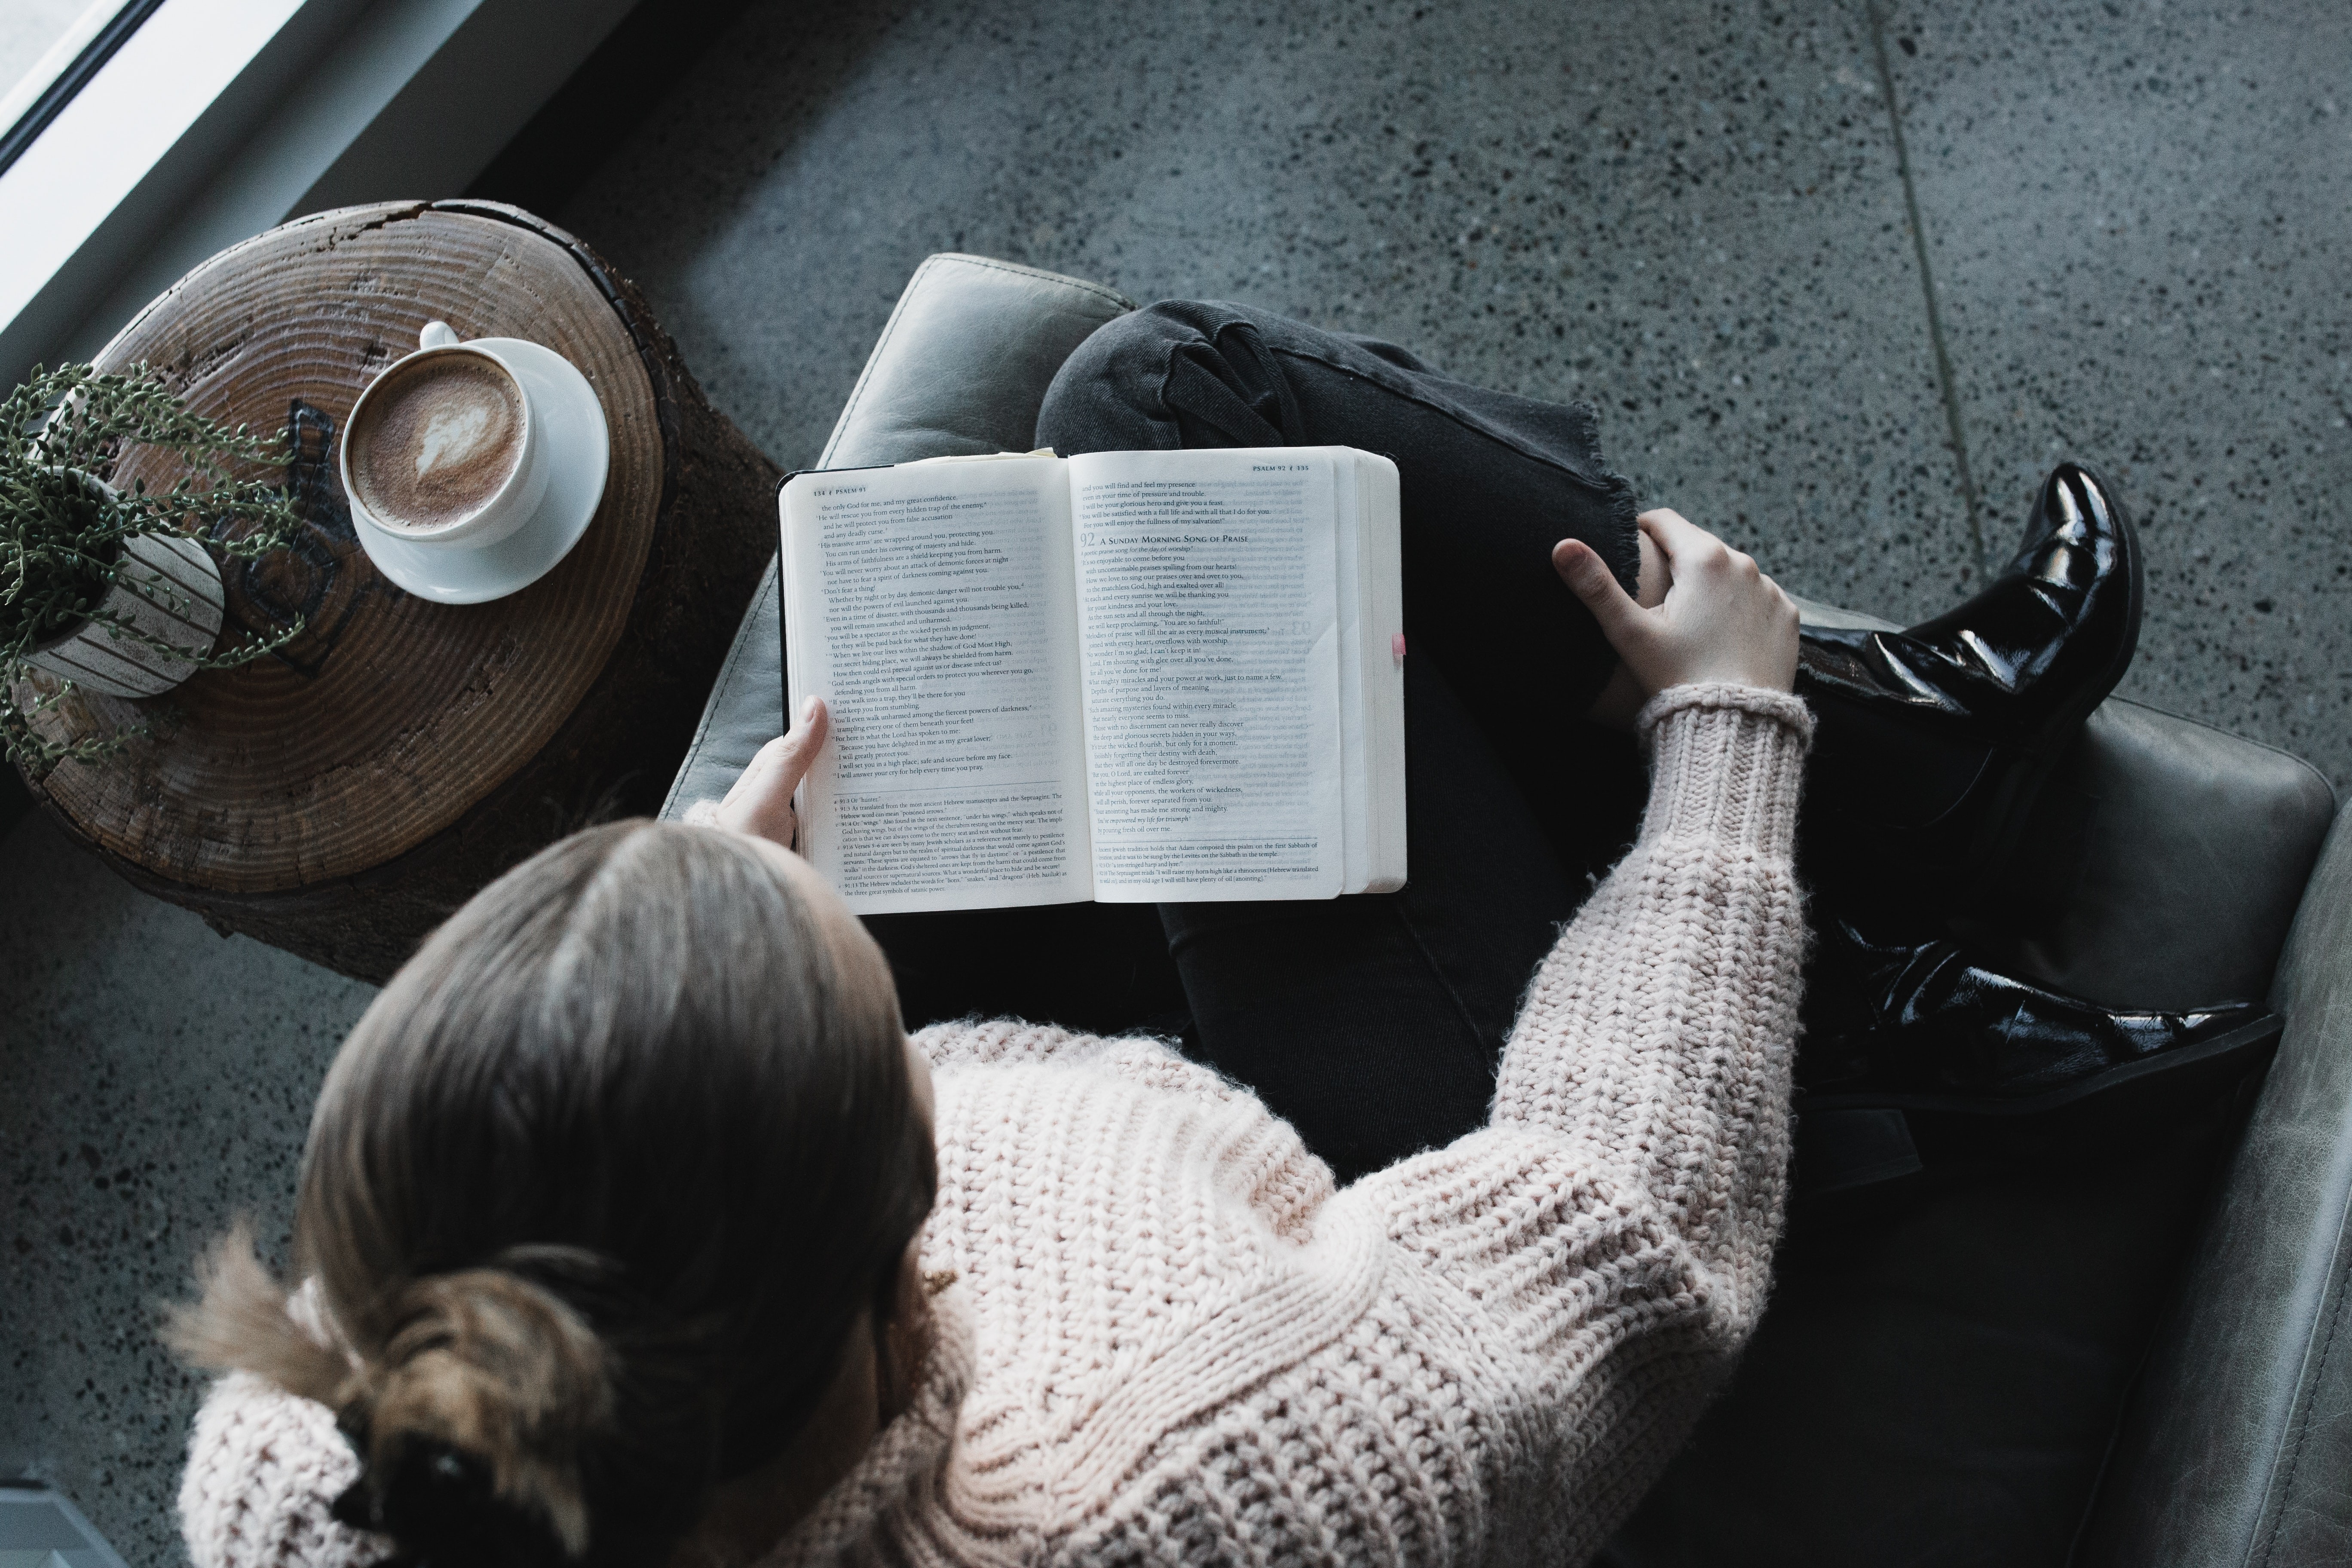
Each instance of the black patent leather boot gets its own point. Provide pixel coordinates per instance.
(1932, 742)
(1922, 1027)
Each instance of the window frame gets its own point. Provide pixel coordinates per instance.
(256, 111)
(25, 129)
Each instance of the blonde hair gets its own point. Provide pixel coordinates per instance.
(592, 1196)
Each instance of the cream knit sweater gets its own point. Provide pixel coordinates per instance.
(1171, 1340)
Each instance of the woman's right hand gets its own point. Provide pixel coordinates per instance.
(761, 804)
(1722, 619)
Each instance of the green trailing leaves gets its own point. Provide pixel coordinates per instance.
(61, 536)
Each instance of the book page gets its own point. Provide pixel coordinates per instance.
(931, 607)
(1354, 797)
(1208, 640)
(1379, 550)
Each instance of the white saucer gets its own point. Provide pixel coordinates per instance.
(580, 450)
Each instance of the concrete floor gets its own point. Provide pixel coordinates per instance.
(1699, 217)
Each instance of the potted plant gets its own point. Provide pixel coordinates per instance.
(110, 589)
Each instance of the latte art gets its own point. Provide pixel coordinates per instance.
(436, 441)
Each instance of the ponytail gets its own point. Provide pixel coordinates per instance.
(593, 1196)
(487, 1368)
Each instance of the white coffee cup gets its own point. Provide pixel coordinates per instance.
(497, 513)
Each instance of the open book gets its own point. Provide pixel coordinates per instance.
(1130, 676)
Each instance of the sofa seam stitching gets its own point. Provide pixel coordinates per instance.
(1112, 295)
(2311, 1402)
(2306, 763)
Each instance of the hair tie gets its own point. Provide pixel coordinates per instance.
(440, 1503)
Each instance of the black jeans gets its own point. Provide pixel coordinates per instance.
(1373, 1024)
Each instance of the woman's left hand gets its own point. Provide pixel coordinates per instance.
(761, 804)
(1721, 619)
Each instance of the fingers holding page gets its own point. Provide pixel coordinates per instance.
(795, 750)
(761, 804)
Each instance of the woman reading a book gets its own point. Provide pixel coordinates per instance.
(632, 1228)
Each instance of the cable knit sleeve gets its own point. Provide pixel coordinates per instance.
(1657, 1038)
(1611, 1229)
(263, 1468)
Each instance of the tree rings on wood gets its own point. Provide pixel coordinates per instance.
(393, 723)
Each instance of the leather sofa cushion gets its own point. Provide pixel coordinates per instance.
(1937, 1376)
(2195, 849)
(2236, 1447)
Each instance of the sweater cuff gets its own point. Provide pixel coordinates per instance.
(1728, 763)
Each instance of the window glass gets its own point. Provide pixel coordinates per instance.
(38, 41)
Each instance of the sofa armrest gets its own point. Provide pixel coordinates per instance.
(2236, 1448)
(2185, 853)
(963, 364)
(961, 369)
(2192, 851)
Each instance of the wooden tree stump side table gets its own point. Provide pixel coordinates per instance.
(341, 798)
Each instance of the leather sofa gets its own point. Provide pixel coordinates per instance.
(2127, 1345)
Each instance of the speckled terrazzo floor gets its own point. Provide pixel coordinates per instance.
(1695, 215)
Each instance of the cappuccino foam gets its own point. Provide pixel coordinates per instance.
(438, 440)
